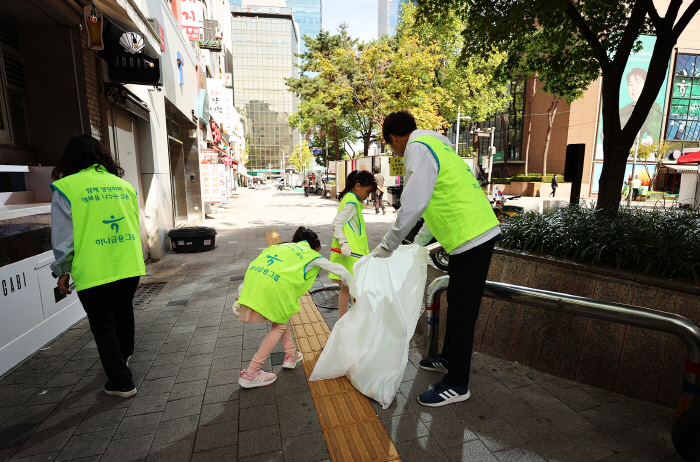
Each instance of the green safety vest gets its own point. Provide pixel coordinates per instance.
(277, 278)
(106, 237)
(458, 210)
(357, 238)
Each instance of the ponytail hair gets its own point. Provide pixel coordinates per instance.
(361, 177)
(305, 234)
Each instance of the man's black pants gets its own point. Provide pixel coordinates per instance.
(111, 315)
(468, 271)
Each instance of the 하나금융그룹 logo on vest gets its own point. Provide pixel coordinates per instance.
(272, 259)
(113, 223)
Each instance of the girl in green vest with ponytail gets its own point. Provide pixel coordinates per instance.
(349, 233)
(272, 285)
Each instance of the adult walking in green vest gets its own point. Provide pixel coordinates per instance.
(95, 239)
(441, 188)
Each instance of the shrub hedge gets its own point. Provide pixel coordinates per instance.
(531, 178)
(659, 242)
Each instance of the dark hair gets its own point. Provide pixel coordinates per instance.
(305, 234)
(363, 177)
(637, 71)
(375, 169)
(81, 152)
(399, 123)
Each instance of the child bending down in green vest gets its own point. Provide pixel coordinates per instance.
(349, 233)
(271, 289)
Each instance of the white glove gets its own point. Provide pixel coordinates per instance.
(345, 250)
(381, 252)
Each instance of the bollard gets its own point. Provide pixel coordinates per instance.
(432, 315)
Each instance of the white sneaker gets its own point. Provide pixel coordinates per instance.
(291, 363)
(262, 379)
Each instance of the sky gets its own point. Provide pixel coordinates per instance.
(360, 15)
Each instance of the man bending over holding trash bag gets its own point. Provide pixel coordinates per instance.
(441, 188)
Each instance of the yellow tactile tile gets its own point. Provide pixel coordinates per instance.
(360, 442)
(330, 387)
(343, 409)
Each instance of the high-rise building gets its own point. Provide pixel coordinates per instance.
(307, 13)
(384, 18)
(264, 42)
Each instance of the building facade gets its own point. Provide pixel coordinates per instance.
(264, 40)
(384, 18)
(308, 14)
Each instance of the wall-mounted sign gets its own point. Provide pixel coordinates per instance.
(221, 104)
(228, 79)
(191, 18)
(129, 56)
(209, 175)
(161, 33)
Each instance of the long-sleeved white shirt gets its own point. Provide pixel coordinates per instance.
(346, 214)
(335, 268)
(61, 234)
(421, 178)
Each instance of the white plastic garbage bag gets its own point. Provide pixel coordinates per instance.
(370, 343)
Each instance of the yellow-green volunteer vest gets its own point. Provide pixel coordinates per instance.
(458, 210)
(276, 279)
(106, 235)
(357, 238)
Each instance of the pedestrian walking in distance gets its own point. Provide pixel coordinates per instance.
(441, 187)
(271, 289)
(349, 233)
(306, 187)
(555, 185)
(379, 193)
(95, 238)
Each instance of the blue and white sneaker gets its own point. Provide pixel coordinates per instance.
(436, 364)
(442, 394)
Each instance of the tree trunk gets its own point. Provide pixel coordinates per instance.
(504, 137)
(335, 140)
(367, 138)
(475, 142)
(529, 123)
(550, 122)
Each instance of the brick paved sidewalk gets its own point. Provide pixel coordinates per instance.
(190, 350)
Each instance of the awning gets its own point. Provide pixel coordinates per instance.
(682, 168)
(203, 107)
(127, 100)
(689, 158)
(127, 11)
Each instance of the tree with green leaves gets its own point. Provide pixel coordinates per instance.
(578, 41)
(301, 157)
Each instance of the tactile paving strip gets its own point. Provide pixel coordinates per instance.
(352, 430)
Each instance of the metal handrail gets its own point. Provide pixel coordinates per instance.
(630, 315)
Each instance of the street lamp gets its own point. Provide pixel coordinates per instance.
(459, 113)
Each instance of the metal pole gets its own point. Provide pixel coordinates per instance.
(459, 113)
(630, 315)
(634, 165)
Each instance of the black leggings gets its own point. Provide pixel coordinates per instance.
(468, 271)
(111, 315)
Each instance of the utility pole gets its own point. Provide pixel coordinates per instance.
(634, 165)
(492, 151)
(459, 117)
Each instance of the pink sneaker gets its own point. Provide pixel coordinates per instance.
(261, 379)
(291, 363)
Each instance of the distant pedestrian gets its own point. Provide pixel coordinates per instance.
(379, 193)
(636, 185)
(306, 187)
(271, 289)
(95, 239)
(555, 185)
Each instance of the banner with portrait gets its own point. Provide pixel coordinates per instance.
(633, 80)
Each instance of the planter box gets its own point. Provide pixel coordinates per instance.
(632, 361)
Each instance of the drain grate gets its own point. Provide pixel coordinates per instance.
(327, 298)
(145, 292)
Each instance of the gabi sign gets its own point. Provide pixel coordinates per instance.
(129, 56)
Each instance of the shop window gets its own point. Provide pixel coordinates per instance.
(13, 109)
(683, 129)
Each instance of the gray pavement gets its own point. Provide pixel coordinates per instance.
(190, 350)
